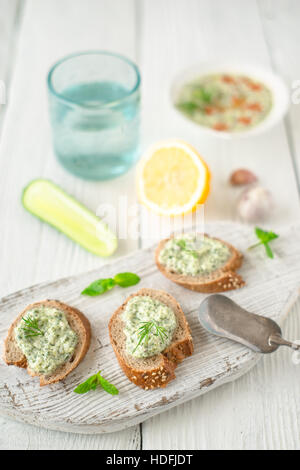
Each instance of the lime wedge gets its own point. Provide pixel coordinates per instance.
(51, 204)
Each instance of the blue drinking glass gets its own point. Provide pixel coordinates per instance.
(94, 100)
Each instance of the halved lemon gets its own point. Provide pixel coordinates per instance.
(172, 178)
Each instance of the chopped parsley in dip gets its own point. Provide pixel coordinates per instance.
(140, 309)
(193, 256)
(225, 102)
(53, 345)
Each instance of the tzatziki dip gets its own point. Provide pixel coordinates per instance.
(193, 255)
(45, 338)
(225, 102)
(149, 326)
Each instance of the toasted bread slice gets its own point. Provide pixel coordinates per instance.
(78, 323)
(221, 280)
(155, 371)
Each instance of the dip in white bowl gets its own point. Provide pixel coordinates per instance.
(230, 100)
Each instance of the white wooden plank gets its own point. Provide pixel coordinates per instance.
(19, 436)
(30, 251)
(175, 35)
(51, 30)
(280, 22)
(8, 33)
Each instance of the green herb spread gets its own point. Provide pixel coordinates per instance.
(225, 102)
(49, 346)
(194, 256)
(144, 310)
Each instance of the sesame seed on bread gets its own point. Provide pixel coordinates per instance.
(155, 371)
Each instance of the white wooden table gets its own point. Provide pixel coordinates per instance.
(261, 410)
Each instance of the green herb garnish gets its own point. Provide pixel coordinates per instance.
(103, 285)
(182, 245)
(145, 330)
(32, 327)
(99, 287)
(201, 97)
(202, 94)
(93, 382)
(187, 107)
(265, 238)
(126, 279)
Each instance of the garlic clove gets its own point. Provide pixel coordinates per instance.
(255, 204)
(242, 177)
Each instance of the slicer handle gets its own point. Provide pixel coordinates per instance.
(277, 339)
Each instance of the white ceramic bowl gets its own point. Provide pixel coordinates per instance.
(278, 88)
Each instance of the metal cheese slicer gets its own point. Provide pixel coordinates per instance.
(221, 316)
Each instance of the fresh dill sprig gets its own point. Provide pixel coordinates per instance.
(145, 330)
(32, 327)
(182, 244)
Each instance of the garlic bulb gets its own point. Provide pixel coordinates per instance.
(255, 204)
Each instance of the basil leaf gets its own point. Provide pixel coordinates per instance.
(260, 233)
(268, 251)
(108, 387)
(264, 236)
(99, 287)
(92, 382)
(272, 236)
(103, 285)
(126, 279)
(89, 384)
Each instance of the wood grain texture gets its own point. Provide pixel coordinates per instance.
(184, 35)
(167, 37)
(9, 21)
(50, 30)
(280, 21)
(23, 436)
(31, 156)
(215, 360)
(258, 411)
(204, 31)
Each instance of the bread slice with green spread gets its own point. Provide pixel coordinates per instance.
(52, 336)
(200, 263)
(150, 361)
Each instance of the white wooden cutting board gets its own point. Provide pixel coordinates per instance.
(272, 287)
